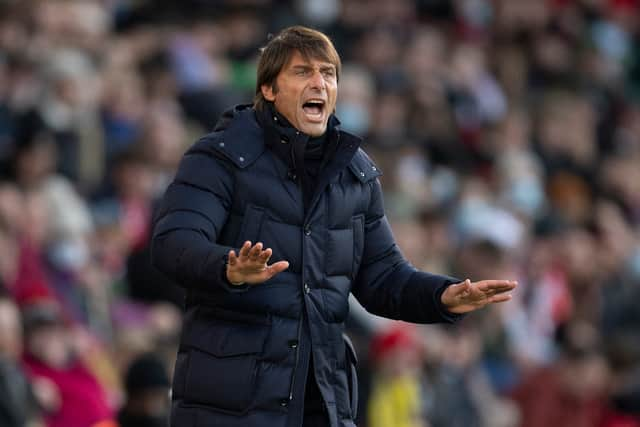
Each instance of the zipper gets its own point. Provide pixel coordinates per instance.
(292, 383)
(318, 191)
(302, 313)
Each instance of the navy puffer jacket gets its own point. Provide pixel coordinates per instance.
(245, 351)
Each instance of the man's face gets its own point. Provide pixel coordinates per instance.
(305, 93)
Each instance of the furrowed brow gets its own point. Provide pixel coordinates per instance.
(302, 67)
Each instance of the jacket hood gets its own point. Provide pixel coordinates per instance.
(227, 117)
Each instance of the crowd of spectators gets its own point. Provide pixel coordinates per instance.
(508, 132)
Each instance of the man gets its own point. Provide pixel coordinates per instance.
(279, 181)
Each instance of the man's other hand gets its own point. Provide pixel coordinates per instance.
(467, 296)
(250, 265)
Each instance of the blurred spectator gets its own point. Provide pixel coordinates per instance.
(162, 143)
(147, 387)
(18, 407)
(396, 395)
(544, 303)
(69, 107)
(355, 105)
(457, 389)
(31, 280)
(572, 391)
(122, 111)
(71, 394)
(66, 230)
(134, 194)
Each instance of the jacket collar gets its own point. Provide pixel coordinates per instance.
(278, 129)
(245, 133)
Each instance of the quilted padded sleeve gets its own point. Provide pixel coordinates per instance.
(193, 210)
(387, 284)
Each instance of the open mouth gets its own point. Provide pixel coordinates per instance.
(314, 109)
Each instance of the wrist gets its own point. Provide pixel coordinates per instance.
(444, 300)
(233, 281)
(447, 302)
(226, 275)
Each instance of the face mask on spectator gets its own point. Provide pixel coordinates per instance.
(527, 195)
(354, 117)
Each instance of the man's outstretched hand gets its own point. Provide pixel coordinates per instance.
(250, 265)
(467, 296)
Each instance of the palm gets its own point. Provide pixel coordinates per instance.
(250, 265)
(466, 296)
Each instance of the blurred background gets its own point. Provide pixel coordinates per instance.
(508, 132)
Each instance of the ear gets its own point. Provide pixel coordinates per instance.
(267, 92)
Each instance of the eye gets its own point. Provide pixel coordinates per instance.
(329, 73)
(302, 72)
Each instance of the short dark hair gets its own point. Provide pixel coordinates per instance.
(278, 51)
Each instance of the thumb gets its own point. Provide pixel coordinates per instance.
(461, 287)
(278, 267)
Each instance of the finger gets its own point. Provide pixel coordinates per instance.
(244, 250)
(500, 298)
(255, 251)
(232, 258)
(266, 255)
(485, 285)
(499, 291)
(461, 288)
(492, 283)
(277, 267)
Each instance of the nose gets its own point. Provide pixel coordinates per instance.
(317, 80)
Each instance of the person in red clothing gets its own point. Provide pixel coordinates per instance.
(572, 391)
(74, 398)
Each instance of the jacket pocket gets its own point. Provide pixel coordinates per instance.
(223, 364)
(352, 375)
(251, 225)
(339, 260)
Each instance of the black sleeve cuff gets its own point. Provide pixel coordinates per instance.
(224, 281)
(423, 298)
(442, 309)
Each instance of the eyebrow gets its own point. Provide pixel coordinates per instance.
(309, 67)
